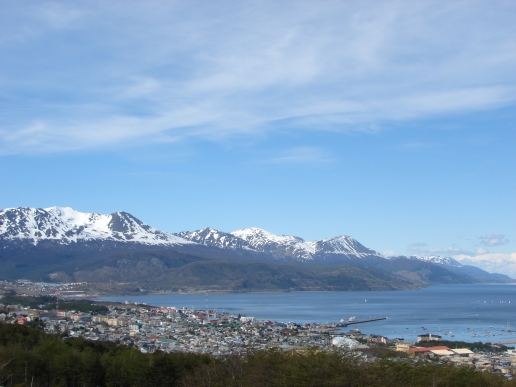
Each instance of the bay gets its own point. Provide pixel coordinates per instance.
(472, 312)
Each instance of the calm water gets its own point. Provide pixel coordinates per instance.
(444, 310)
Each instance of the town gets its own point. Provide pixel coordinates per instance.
(173, 329)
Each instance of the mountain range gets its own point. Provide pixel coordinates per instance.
(60, 243)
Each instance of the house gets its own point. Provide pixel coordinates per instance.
(21, 320)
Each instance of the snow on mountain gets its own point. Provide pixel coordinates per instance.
(446, 261)
(342, 245)
(211, 237)
(66, 225)
(296, 248)
(279, 246)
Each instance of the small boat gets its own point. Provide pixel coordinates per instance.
(508, 329)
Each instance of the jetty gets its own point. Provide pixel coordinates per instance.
(352, 321)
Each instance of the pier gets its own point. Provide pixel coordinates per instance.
(356, 321)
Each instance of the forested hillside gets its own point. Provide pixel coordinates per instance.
(29, 357)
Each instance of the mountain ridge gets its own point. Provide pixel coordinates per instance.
(286, 247)
(60, 243)
(66, 225)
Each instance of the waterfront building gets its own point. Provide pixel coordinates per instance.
(428, 337)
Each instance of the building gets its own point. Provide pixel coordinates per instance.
(377, 339)
(427, 350)
(463, 352)
(428, 337)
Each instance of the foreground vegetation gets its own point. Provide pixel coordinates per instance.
(29, 357)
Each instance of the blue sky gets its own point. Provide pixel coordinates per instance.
(390, 121)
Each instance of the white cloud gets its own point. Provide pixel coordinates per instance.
(86, 75)
(504, 263)
(494, 263)
(493, 240)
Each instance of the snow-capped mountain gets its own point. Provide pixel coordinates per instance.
(279, 246)
(66, 225)
(62, 244)
(283, 247)
(343, 245)
(211, 237)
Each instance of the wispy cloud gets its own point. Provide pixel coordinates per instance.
(85, 75)
(299, 155)
(418, 245)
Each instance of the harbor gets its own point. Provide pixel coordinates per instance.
(451, 311)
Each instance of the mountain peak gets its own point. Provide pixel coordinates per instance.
(212, 237)
(258, 235)
(66, 225)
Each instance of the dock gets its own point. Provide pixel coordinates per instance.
(346, 323)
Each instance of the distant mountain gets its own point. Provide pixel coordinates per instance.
(422, 272)
(284, 247)
(465, 271)
(446, 261)
(66, 225)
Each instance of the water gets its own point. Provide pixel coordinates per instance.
(473, 312)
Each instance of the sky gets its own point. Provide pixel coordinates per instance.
(389, 121)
